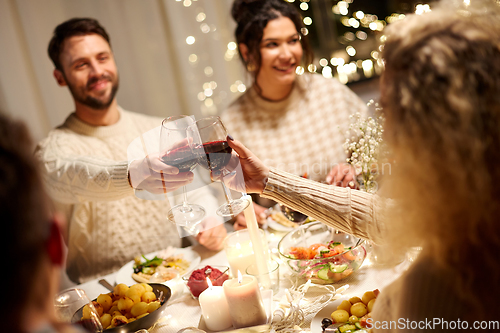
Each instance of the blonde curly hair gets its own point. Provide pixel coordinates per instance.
(441, 97)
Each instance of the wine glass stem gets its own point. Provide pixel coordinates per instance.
(185, 207)
(227, 193)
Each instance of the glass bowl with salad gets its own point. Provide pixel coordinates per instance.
(320, 253)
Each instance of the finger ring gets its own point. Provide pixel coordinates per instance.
(351, 183)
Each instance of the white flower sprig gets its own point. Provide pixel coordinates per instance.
(364, 146)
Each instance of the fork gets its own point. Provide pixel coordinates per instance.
(106, 284)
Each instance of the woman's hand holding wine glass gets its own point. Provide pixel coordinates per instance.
(185, 143)
(215, 154)
(254, 172)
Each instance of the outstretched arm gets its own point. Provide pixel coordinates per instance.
(70, 178)
(351, 211)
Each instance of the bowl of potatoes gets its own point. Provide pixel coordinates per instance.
(346, 314)
(129, 308)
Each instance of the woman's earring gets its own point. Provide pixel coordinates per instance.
(251, 67)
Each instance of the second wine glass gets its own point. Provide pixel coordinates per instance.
(214, 156)
(176, 149)
(67, 305)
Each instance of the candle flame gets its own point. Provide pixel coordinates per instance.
(240, 278)
(209, 283)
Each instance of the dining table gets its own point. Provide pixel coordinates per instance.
(183, 311)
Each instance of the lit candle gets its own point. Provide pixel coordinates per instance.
(214, 308)
(246, 307)
(260, 250)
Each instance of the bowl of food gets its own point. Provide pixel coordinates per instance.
(346, 314)
(128, 309)
(320, 253)
(196, 280)
(292, 215)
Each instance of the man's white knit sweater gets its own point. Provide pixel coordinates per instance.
(86, 174)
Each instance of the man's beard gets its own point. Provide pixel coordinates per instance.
(93, 102)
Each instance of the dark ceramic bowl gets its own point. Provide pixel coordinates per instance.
(292, 215)
(144, 322)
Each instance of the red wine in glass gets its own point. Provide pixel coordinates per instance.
(183, 158)
(215, 155)
(176, 146)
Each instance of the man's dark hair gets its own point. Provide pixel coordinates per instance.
(25, 216)
(70, 28)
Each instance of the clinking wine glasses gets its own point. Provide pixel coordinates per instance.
(214, 154)
(177, 144)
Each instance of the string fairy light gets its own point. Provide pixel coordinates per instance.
(351, 63)
(208, 94)
(360, 25)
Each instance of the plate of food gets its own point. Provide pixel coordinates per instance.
(282, 218)
(346, 314)
(277, 221)
(159, 267)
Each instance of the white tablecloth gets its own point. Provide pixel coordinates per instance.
(184, 311)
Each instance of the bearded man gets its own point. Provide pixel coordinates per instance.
(87, 172)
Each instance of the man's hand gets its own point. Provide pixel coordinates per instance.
(154, 176)
(342, 175)
(241, 223)
(213, 237)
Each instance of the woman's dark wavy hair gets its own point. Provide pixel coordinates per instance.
(252, 16)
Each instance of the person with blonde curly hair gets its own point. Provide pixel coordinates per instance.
(441, 97)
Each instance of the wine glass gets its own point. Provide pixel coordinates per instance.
(176, 149)
(69, 302)
(214, 156)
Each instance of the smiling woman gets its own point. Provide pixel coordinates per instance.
(281, 53)
(268, 34)
(292, 120)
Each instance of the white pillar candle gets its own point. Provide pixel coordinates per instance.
(214, 308)
(260, 249)
(240, 256)
(246, 307)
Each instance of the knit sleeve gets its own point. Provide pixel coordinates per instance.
(351, 211)
(70, 178)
